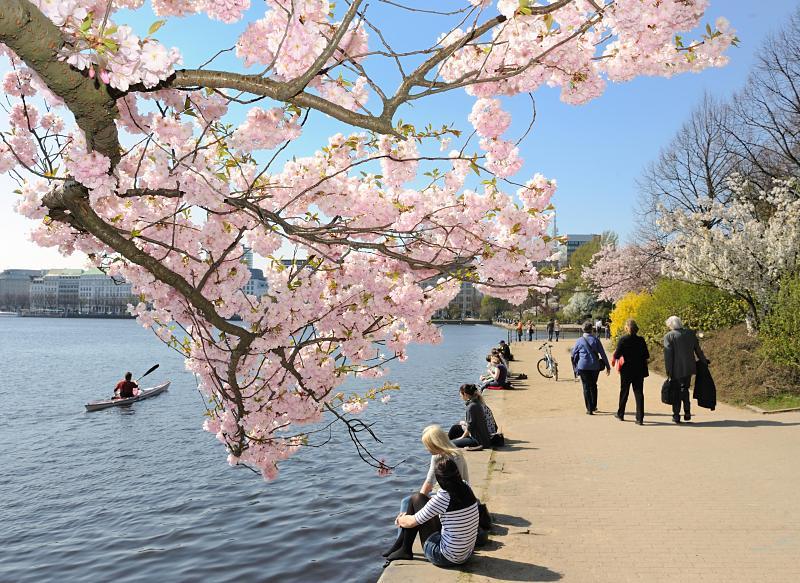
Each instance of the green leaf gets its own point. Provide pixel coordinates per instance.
(86, 24)
(155, 26)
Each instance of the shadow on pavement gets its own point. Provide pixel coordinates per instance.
(740, 423)
(514, 445)
(509, 570)
(510, 520)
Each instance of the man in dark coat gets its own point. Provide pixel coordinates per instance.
(681, 347)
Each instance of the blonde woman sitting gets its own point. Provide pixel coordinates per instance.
(440, 447)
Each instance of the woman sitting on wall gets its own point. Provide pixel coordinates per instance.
(476, 431)
(447, 523)
(440, 447)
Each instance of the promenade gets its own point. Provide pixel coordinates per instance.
(579, 498)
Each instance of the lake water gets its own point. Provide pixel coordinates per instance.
(142, 493)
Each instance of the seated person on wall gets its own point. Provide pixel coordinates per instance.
(447, 523)
(473, 433)
(499, 379)
(505, 349)
(440, 447)
(126, 388)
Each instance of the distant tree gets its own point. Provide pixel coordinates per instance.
(493, 307)
(581, 304)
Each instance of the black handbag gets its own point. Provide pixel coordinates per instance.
(484, 518)
(668, 392)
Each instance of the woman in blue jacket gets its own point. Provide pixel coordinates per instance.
(588, 359)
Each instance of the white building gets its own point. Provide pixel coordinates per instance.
(74, 292)
(256, 285)
(102, 295)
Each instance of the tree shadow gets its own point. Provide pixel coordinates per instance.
(739, 423)
(508, 570)
(514, 445)
(508, 520)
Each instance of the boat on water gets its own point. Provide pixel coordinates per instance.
(143, 394)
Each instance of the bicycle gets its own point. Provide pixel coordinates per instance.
(547, 366)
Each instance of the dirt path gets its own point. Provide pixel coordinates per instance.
(591, 499)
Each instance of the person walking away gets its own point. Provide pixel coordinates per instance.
(519, 331)
(550, 328)
(556, 329)
(633, 354)
(531, 330)
(588, 359)
(126, 388)
(681, 347)
(598, 327)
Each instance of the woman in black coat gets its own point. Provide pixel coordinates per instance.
(632, 350)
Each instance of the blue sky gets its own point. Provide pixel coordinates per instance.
(595, 151)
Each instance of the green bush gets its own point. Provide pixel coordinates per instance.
(780, 330)
(700, 308)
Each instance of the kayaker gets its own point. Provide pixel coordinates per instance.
(126, 389)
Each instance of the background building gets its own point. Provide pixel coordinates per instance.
(15, 288)
(466, 304)
(74, 292)
(575, 241)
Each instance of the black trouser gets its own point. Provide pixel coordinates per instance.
(589, 380)
(683, 397)
(638, 394)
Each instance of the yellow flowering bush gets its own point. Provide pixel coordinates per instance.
(627, 307)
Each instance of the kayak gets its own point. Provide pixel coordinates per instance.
(143, 394)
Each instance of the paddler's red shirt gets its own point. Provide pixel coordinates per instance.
(125, 389)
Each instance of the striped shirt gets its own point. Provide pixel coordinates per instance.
(459, 527)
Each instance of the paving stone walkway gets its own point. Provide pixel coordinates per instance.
(581, 498)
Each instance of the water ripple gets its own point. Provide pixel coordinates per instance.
(143, 494)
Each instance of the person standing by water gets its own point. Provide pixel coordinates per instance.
(550, 328)
(680, 349)
(556, 329)
(531, 330)
(633, 354)
(519, 330)
(588, 359)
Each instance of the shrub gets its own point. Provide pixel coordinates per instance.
(780, 330)
(627, 307)
(700, 307)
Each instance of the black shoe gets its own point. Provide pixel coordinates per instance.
(676, 420)
(687, 417)
(639, 422)
(618, 416)
(589, 413)
(595, 410)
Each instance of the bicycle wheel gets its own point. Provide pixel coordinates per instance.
(544, 368)
(555, 370)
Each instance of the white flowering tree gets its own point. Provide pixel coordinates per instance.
(743, 247)
(616, 271)
(161, 170)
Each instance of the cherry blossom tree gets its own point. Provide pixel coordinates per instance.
(616, 271)
(744, 247)
(125, 154)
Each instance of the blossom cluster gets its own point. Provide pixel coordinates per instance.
(616, 271)
(386, 231)
(744, 246)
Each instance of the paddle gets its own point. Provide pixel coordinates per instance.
(151, 369)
